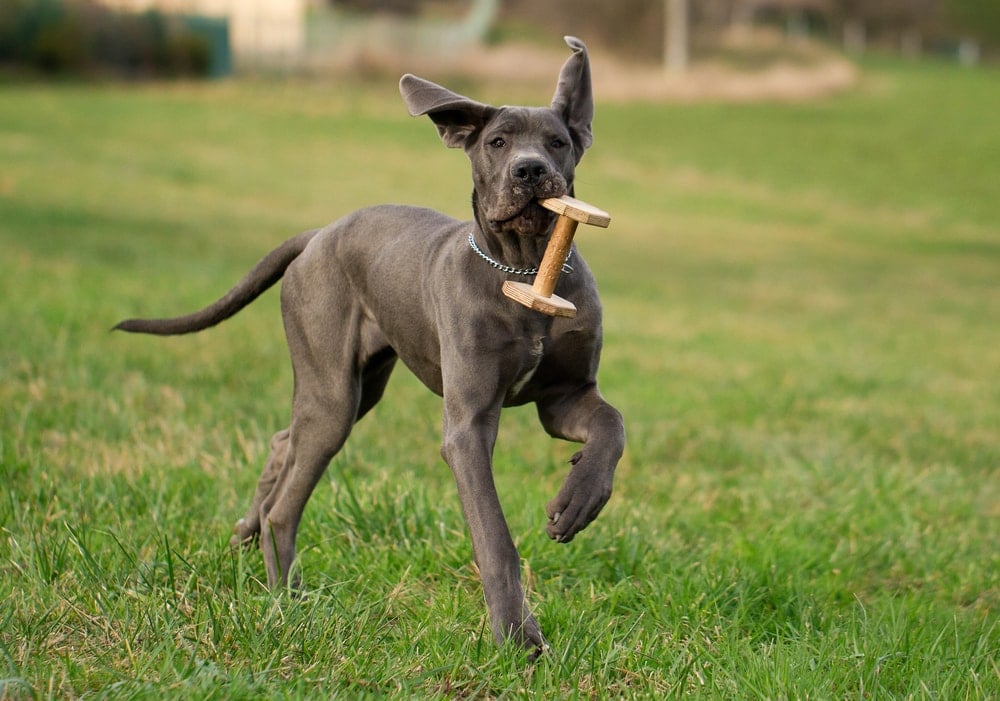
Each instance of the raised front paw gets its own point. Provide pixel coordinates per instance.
(583, 495)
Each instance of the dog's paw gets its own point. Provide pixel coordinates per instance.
(528, 635)
(536, 647)
(245, 535)
(583, 495)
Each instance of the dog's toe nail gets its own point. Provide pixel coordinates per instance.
(555, 518)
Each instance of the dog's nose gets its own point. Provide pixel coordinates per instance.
(530, 171)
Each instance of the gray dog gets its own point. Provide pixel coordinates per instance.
(392, 282)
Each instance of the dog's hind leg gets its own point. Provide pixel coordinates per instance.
(321, 422)
(247, 529)
(374, 379)
(331, 348)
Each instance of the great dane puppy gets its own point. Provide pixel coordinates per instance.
(397, 282)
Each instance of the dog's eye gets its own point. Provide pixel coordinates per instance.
(498, 142)
(557, 143)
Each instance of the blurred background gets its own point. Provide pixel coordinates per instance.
(217, 37)
(801, 323)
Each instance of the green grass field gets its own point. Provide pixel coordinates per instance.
(802, 311)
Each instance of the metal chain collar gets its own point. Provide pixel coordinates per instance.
(566, 267)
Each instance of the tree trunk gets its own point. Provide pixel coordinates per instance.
(676, 50)
(854, 36)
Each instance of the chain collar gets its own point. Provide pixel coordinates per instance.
(566, 267)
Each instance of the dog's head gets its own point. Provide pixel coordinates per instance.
(518, 154)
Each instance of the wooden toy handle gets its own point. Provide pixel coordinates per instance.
(555, 255)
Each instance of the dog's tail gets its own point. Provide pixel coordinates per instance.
(268, 271)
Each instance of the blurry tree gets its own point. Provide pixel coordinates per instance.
(978, 18)
(399, 7)
(905, 20)
(891, 14)
(632, 28)
(940, 18)
(640, 28)
(84, 37)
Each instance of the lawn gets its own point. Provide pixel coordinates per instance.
(802, 317)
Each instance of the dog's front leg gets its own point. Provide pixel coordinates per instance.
(467, 447)
(582, 415)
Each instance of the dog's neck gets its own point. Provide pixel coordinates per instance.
(506, 247)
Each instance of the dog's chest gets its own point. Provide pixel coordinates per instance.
(533, 358)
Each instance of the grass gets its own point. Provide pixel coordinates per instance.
(802, 331)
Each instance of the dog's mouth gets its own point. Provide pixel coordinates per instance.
(517, 211)
(531, 220)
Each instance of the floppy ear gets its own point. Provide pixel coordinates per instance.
(574, 98)
(457, 118)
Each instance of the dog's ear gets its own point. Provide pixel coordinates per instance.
(574, 98)
(457, 118)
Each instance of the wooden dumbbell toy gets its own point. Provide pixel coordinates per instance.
(540, 295)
